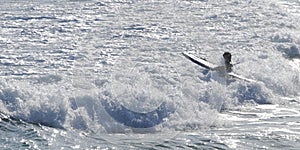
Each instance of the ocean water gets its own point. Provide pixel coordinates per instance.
(60, 58)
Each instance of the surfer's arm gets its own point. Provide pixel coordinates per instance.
(219, 68)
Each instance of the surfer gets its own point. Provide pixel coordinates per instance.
(227, 68)
(227, 59)
(224, 70)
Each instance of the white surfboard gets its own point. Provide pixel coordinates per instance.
(234, 75)
(200, 61)
(208, 65)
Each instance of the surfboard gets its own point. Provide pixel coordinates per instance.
(200, 61)
(134, 119)
(208, 65)
(234, 75)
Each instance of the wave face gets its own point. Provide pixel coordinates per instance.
(111, 74)
(136, 119)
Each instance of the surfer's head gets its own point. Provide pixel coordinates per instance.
(227, 57)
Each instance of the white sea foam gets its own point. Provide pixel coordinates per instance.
(59, 60)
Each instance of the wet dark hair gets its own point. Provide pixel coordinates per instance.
(227, 56)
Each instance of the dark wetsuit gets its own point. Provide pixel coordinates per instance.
(227, 58)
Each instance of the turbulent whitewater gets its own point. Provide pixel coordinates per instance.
(60, 59)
